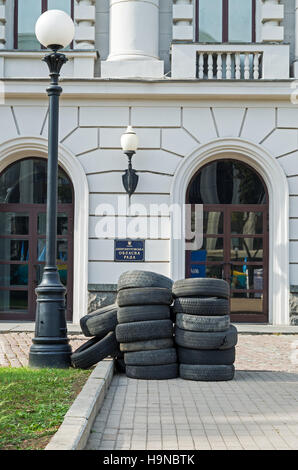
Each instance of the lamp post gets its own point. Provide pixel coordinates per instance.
(129, 144)
(54, 30)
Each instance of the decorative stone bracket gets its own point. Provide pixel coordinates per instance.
(84, 16)
(183, 20)
(272, 15)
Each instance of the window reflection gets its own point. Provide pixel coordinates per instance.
(26, 182)
(227, 182)
(240, 21)
(210, 20)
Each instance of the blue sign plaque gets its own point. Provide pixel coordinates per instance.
(129, 251)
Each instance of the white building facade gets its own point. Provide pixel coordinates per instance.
(210, 88)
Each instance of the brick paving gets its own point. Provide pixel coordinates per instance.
(14, 348)
(257, 410)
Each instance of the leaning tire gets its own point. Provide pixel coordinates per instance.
(204, 340)
(100, 322)
(151, 358)
(144, 330)
(144, 296)
(164, 372)
(205, 357)
(135, 313)
(210, 306)
(201, 323)
(203, 287)
(131, 279)
(150, 345)
(94, 351)
(206, 373)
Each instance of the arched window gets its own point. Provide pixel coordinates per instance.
(235, 233)
(226, 21)
(26, 15)
(23, 194)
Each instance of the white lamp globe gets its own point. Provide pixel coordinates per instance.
(55, 28)
(129, 140)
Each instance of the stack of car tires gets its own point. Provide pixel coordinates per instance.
(204, 337)
(101, 326)
(145, 330)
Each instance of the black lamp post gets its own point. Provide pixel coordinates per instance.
(50, 348)
(129, 143)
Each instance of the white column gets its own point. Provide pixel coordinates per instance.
(134, 40)
(272, 16)
(2, 24)
(84, 15)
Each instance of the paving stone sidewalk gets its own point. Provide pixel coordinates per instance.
(258, 410)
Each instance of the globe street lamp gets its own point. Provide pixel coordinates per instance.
(54, 30)
(129, 144)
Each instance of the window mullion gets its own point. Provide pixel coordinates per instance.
(44, 5)
(225, 21)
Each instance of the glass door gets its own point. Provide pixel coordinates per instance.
(235, 248)
(22, 257)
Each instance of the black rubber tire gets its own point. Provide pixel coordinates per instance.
(206, 373)
(120, 365)
(131, 279)
(94, 351)
(164, 343)
(100, 322)
(151, 358)
(144, 296)
(204, 340)
(144, 330)
(164, 372)
(206, 357)
(210, 306)
(200, 323)
(143, 313)
(172, 314)
(201, 287)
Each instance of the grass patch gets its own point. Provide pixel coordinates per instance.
(33, 403)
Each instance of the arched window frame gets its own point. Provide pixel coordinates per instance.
(225, 21)
(43, 8)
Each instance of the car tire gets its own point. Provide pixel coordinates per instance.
(201, 287)
(164, 343)
(144, 296)
(161, 372)
(151, 358)
(202, 323)
(100, 322)
(94, 351)
(132, 279)
(206, 373)
(144, 330)
(206, 357)
(204, 340)
(210, 306)
(143, 313)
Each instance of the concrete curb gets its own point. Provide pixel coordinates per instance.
(75, 429)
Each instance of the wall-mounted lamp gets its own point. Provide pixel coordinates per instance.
(129, 144)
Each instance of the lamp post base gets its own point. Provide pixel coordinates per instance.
(45, 355)
(50, 346)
